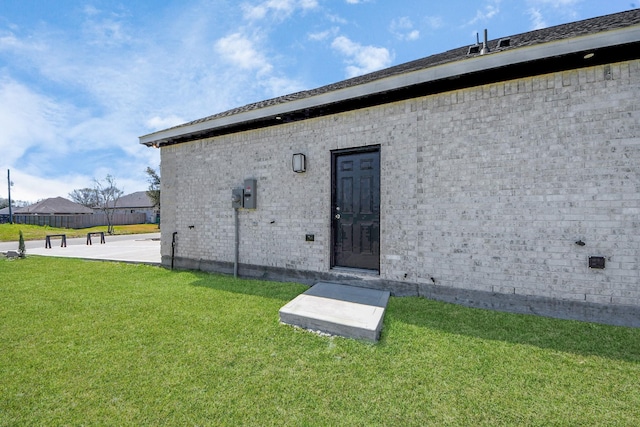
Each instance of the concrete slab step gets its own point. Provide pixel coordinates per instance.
(343, 310)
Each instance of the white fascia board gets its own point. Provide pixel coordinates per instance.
(438, 72)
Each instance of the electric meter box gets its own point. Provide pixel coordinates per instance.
(237, 198)
(250, 193)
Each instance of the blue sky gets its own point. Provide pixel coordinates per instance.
(81, 80)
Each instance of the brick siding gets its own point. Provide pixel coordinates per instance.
(486, 188)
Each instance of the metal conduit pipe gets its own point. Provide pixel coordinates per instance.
(237, 244)
(173, 247)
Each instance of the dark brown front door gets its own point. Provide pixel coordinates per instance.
(356, 209)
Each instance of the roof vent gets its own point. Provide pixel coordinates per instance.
(474, 49)
(504, 43)
(485, 47)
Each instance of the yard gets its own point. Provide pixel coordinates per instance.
(11, 232)
(96, 343)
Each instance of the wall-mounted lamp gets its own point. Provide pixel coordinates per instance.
(299, 163)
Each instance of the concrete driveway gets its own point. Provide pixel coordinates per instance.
(136, 248)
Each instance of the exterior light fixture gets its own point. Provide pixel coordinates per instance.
(299, 163)
(589, 55)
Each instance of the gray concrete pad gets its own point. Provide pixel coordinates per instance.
(337, 309)
(135, 248)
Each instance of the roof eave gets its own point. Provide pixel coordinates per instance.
(448, 70)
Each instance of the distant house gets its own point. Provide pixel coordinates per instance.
(138, 202)
(54, 206)
(500, 175)
(4, 215)
(61, 212)
(55, 212)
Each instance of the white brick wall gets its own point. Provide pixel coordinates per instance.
(486, 188)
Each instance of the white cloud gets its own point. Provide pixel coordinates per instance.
(27, 120)
(106, 32)
(10, 42)
(277, 86)
(308, 4)
(434, 22)
(557, 3)
(361, 59)
(491, 9)
(324, 35)
(240, 51)
(90, 10)
(403, 29)
(539, 9)
(95, 102)
(336, 19)
(537, 20)
(157, 123)
(45, 136)
(254, 13)
(31, 188)
(278, 9)
(413, 35)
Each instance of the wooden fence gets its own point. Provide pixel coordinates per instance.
(80, 221)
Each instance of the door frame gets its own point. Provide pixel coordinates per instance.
(334, 157)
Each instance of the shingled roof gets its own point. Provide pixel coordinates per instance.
(611, 37)
(138, 200)
(54, 206)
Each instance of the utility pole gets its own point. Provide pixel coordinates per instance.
(9, 183)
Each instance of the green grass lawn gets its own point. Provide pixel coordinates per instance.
(96, 343)
(11, 232)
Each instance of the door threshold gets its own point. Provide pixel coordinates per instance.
(359, 271)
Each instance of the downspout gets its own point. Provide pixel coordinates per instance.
(173, 247)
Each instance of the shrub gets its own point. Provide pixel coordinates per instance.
(22, 250)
